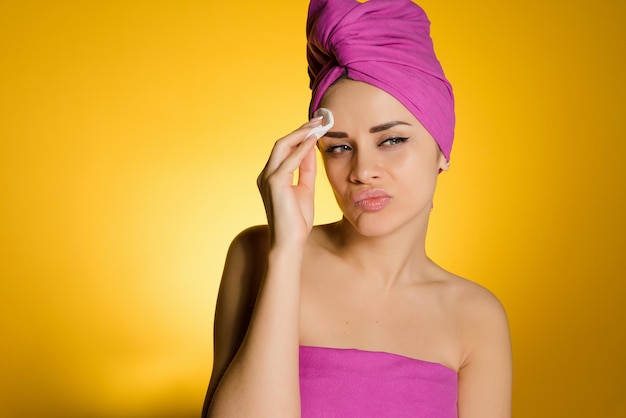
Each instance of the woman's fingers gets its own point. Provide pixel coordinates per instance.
(290, 208)
(288, 154)
(294, 160)
(308, 170)
(286, 145)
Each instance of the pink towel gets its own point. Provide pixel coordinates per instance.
(385, 43)
(346, 383)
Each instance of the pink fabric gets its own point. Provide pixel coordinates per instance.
(347, 383)
(385, 43)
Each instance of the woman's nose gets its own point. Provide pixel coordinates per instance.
(365, 167)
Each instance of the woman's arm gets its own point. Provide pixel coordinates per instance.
(262, 377)
(485, 378)
(243, 271)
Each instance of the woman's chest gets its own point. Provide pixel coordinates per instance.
(339, 312)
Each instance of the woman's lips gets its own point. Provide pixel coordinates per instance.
(371, 200)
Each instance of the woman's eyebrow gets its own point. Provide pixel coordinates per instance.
(388, 125)
(331, 134)
(373, 129)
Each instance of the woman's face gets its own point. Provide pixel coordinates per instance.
(381, 162)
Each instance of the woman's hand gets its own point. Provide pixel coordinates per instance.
(257, 318)
(289, 207)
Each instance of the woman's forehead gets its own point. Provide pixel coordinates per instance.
(355, 100)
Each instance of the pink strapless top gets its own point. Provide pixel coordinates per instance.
(347, 383)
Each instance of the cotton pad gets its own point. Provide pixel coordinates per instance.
(327, 122)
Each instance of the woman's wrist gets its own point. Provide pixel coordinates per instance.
(285, 254)
(293, 244)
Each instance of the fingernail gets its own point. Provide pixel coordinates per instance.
(314, 121)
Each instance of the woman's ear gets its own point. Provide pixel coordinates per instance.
(444, 165)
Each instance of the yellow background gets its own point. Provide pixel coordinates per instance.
(131, 136)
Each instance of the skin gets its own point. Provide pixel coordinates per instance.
(363, 282)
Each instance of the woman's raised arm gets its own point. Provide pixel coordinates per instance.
(258, 374)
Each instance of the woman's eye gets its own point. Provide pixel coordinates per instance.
(338, 149)
(394, 141)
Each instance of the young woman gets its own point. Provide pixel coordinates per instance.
(352, 319)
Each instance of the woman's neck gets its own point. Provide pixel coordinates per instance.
(396, 257)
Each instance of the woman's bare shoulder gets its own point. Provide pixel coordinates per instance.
(473, 306)
(247, 258)
(254, 237)
(473, 296)
(480, 314)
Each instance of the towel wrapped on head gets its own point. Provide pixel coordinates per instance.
(385, 43)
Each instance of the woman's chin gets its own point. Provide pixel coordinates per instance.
(377, 224)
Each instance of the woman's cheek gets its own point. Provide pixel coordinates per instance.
(336, 170)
